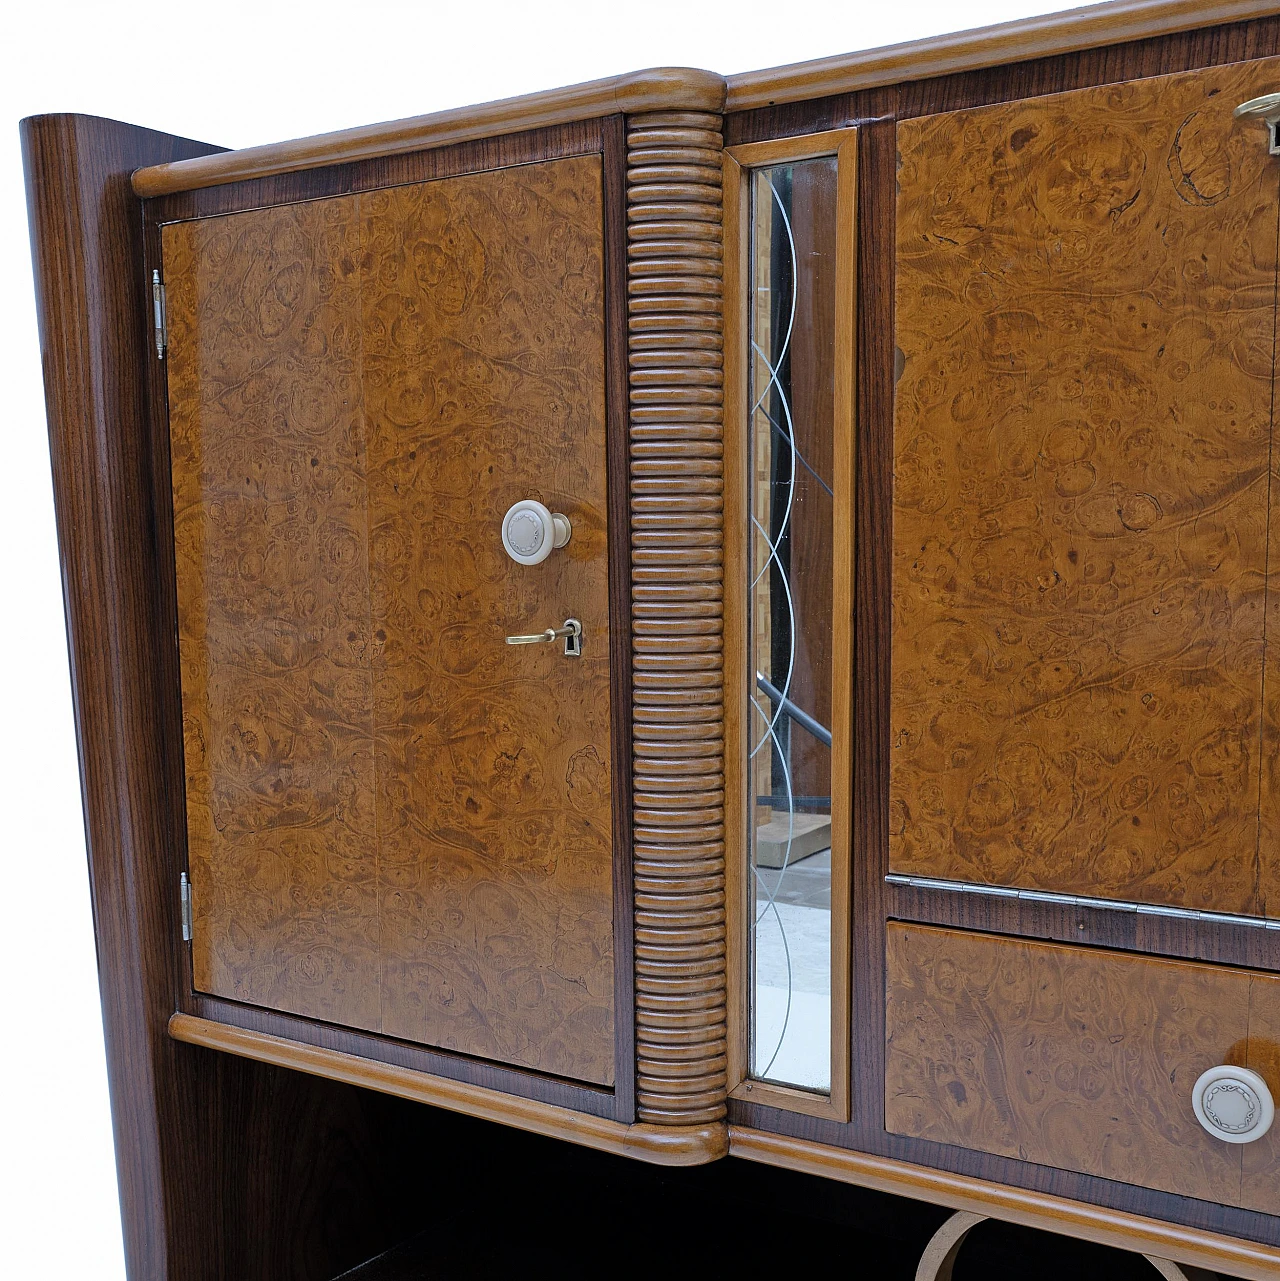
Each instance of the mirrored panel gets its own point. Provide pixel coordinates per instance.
(793, 212)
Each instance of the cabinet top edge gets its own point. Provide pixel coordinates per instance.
(690, 89)
(1042, 36)
(656, 89)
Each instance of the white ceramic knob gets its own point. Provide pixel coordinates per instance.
(1233, 1104)
(530, 531)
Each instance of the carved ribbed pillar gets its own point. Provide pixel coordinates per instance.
(675, 357)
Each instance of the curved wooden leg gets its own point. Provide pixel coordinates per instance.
(940, 1254)
(1179, 1271)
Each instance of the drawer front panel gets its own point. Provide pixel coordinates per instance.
(1076, 1058)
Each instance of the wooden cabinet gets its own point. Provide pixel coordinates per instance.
(1021, 286)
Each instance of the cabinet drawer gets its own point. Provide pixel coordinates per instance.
(1077, 1058)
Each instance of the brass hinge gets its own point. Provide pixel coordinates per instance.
(185, 889)
(161, 317)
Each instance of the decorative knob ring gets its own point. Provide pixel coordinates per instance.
(530, 531)
(1233, 1104)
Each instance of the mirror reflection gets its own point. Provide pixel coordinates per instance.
(793, 264)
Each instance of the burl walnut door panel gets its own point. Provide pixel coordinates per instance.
(1077, 1058)
(1086, 323)
(396, 821)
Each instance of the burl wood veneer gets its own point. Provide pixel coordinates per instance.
(1083, 424)
(1077, 1058)
(395, 820)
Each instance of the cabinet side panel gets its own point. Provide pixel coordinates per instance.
(323, 1187)
(1061, 1056)
(1085, 321)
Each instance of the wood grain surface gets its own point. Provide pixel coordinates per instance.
(662, 88)
(1073, 1057)
(1002, 1179)
(328, 1182)
(484, 384)
(673, 1145)
(1260, 1161)
(675, 354)
(1046, 35)
(1085, 322)
(396, 821)
(1031, 1207)
(270, 535)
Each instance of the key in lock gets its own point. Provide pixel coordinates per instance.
(571, 631)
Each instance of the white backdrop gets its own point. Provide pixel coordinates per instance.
(236, 74)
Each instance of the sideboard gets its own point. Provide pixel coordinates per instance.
(693, 616)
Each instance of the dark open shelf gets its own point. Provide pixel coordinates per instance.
(498, 1203)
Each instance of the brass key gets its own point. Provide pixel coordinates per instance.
(571, 631)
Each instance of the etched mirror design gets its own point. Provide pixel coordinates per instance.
(792, 391)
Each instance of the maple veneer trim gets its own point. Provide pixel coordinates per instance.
(662, 88)
(689, 89)
(1115, 1228)
(657, 1144)
(1046, 35)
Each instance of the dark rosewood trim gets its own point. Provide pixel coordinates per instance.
(1151, 934)
(1042, 36)
(1112, 64)
(86, 247)
(321, 1192)
(578, 139)
(252, 1020)
(660, 88)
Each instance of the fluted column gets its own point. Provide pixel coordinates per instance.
(675, 358)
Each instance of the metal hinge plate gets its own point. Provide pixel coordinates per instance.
(185, 890)
(160, 308)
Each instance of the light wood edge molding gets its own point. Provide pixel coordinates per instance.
(660, 88)
(1116, 1228)
(737, 274)
(843, 144)
(674, 357)
(657, 1144)
(1040, 37)
(680, 88)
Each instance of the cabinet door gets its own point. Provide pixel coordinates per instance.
(1083, 467)
(396, 820)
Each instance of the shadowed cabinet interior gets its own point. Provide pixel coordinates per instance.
(396, 821)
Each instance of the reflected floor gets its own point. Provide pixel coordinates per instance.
(802, 913)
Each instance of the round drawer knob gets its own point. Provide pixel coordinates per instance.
(530, 531)
(1233, 1104)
